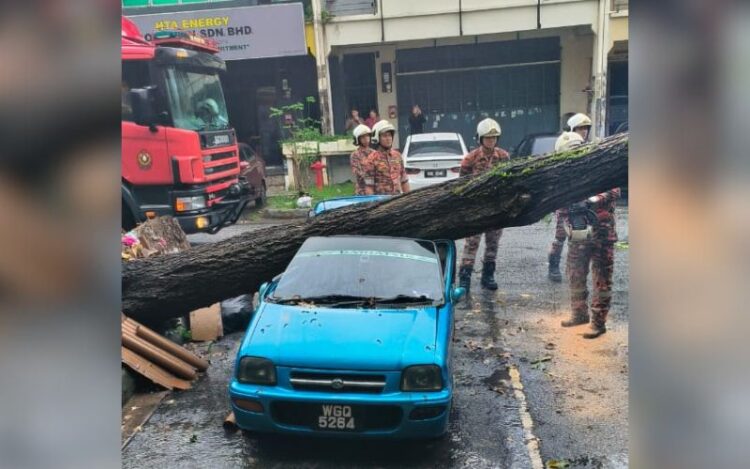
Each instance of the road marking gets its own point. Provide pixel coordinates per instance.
(531, 441)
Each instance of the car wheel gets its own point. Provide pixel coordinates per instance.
(261, 200)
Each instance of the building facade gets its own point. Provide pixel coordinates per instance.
(526, 63)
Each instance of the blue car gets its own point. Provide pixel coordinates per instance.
(338, 202)
(353, 339)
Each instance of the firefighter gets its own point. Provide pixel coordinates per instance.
(362, 135)
(579, 124)
(384, 168)
(478, 161)
(590, 247)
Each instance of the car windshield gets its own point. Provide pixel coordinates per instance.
(371, 270)
(196, 100)
(543, 145)
(435, 148)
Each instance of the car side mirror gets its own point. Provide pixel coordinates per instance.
(143, 109)
(262, 290)
(458, 293)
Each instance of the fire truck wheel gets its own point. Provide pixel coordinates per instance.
(128, 222)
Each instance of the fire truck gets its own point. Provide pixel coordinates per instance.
(179, 153)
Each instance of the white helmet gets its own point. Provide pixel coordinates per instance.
(359, 131)
(567, 140)
(579, 120)
(380, 127)
(487, 128)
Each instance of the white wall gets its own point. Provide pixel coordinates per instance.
(411, 20)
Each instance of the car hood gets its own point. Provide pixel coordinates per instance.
(348, 339)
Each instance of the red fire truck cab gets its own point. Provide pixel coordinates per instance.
(179, 153)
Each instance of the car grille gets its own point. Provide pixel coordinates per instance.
(302, 414)
(333, 382)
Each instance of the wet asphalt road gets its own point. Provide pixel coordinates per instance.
(570, 402)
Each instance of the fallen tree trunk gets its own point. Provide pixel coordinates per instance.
(515, 194)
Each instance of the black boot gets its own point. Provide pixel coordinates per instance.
(488, 276)
(464, 277)
(576, 319)
(554, 269)
(596, 331)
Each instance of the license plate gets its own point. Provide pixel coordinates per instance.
(435, 173)
(221, 139)
(336, 417)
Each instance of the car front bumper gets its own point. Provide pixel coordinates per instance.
(391, 413)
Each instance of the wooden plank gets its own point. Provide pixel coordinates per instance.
(165, 344)
(158, 356)
(153, 372)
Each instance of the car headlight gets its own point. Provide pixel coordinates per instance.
(185, 204)
(422, 378)
(256, 370)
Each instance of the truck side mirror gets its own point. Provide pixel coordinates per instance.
(143, 109)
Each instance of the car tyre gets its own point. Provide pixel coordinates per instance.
(260, 201)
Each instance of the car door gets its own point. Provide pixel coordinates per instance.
(254, 171)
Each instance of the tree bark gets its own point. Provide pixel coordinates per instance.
(514, 194)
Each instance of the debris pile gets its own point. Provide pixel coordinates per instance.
(157, 358)
(157, 236)
(143, 350)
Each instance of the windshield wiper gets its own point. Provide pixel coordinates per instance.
(405, 299)
(328, 300)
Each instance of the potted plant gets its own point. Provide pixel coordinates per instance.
(303, 139)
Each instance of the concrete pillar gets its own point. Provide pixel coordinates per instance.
(387, 53)
(575, 71)
(598, 110)
(321, 60)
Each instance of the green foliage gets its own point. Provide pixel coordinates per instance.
(184, 332)
(287, 202)
(326, 16)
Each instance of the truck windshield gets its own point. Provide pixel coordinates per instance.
(196, 100)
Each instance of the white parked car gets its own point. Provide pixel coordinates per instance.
(433, 157)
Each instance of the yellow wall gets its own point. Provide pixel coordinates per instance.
(310, 38)
(618, 30)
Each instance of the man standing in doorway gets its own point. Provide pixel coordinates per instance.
(353, 120)
(372, 119)
(581, 125)
(478, 161)
(384, 168)
(416, 120)
(362, 135)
